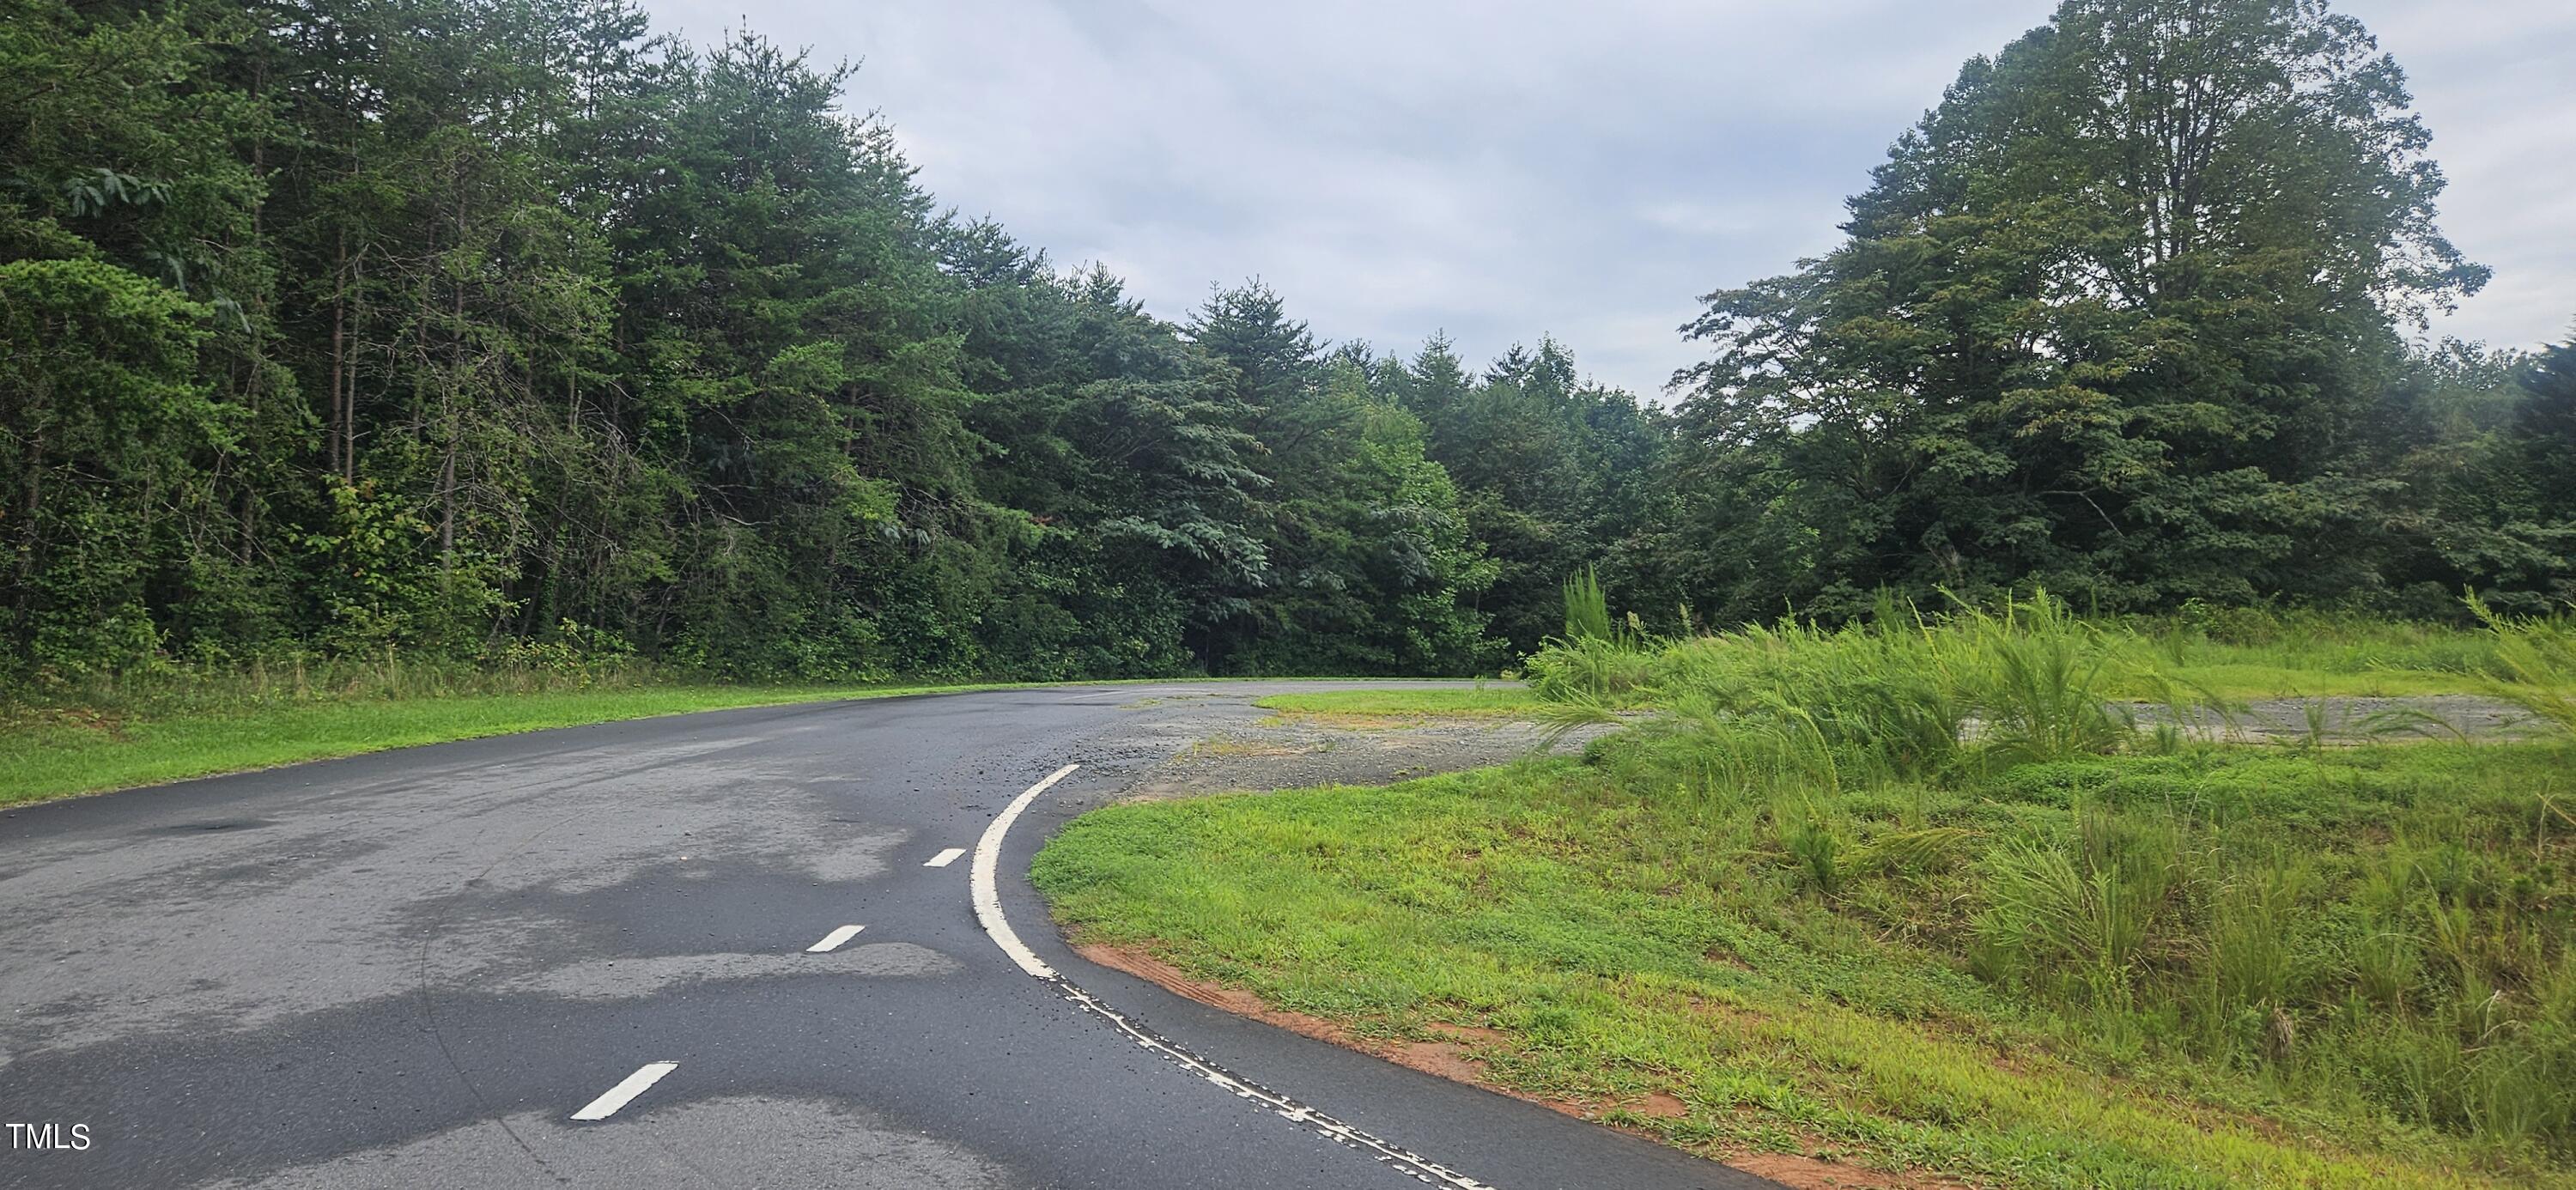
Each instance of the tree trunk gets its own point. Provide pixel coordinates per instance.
(30, 502)
(339, 322)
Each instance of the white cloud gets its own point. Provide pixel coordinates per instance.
(1507, 170)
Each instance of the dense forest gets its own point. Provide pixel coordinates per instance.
(461, 327)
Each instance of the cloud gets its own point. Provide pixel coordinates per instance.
(2496, 82)
(1504, 170)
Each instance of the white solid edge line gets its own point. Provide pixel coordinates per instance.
(944, 858)
(988, 910)
(1415, 1165)
(833, 940)
(618, 1096)
(988, 856)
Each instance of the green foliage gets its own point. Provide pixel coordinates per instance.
(1903, 693)
(2037, 677)
(2231, 966)
(2255, 913)
(100, 366)
(430, 328)
(2120, 317)
(2082, 914)
(1555, 475)
(2535, 663)
(1817, 845)
(1366, 560)
(1587, 609)
(423, 327)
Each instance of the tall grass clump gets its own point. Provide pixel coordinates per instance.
(2039, 678)
(1903, 694)
(1587, 608)
(1599, 663)
(2534, 663)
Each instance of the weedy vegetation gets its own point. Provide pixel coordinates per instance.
(1921, 893)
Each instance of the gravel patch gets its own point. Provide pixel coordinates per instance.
(2358, 720)
(1289, 754)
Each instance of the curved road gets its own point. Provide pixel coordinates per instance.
(417, 969)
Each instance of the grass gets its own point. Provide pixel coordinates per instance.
(1907, 895)
(2253, 680)
(148, 728)
(1400, 707)
(60, 753)
(1678, 942)
(2535, 664)
(2237, 656)
(2256, 654)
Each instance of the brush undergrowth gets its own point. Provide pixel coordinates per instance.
(1902, 696)
(2534, 663)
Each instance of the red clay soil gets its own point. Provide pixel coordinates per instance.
(1241, 1003)
(1662, 1105)
(1807, 1173)
(1448, 1058)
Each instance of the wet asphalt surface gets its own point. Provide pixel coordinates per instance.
(413, 968)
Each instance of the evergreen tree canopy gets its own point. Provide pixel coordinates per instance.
(444, 326)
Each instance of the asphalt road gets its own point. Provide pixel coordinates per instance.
(414, 969)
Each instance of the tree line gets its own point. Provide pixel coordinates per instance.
(442, 326)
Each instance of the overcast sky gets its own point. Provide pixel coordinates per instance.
(1503, 170)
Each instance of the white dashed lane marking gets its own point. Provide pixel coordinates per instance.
(833, 940)
(944, 858)
(618, 1096)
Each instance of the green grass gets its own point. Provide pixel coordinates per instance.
(1359, 707)
(2253, 680)
(2230, 656)
(48, 754)
(111, 733)
(1633, 926)
(1908, 893)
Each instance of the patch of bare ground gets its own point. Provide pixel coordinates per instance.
(1809, 1173)
(1661, 1105)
